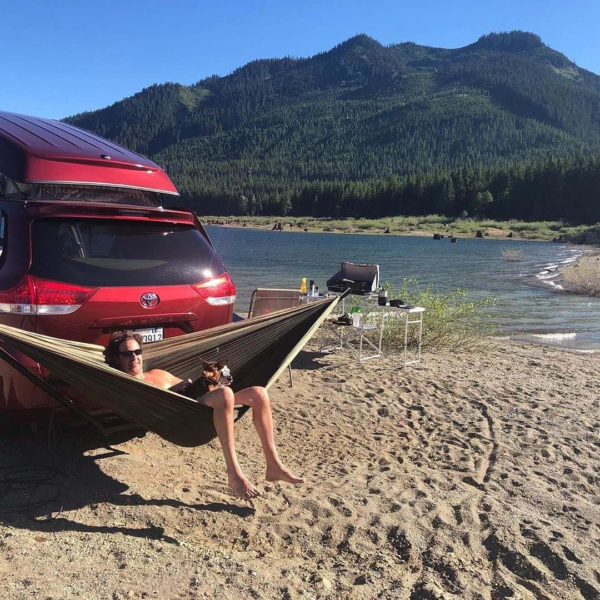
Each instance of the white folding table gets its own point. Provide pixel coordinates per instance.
(412, 315)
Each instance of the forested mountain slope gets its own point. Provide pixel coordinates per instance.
(275, 133)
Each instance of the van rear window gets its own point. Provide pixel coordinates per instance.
(95, 252)
(60, 192)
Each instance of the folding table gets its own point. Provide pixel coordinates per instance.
(413, 315)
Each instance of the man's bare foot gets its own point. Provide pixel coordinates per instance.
(281, 473)
(242, 488)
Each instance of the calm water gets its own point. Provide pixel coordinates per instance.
(529, 307)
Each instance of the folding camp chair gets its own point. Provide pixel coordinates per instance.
(267, 300)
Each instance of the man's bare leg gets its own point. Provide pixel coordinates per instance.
(258, 399)
(222, 403)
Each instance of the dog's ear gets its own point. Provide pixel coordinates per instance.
(221, 364)
(206, 366)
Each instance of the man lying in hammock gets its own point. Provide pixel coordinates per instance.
(124, 352)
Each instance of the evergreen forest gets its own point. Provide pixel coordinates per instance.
(503, 128)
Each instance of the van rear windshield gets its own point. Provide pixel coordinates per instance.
(95, 252)
(59, 192)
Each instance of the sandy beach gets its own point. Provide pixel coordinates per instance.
(467, 476)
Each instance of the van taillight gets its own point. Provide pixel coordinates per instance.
(20, 299)
(217, 291)
(34, 296)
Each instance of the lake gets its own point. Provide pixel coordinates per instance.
(530, 307)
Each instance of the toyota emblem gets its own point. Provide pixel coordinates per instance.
(149, 300)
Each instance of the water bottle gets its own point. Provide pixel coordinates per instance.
(356, 314)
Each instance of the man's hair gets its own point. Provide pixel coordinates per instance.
(111, 352)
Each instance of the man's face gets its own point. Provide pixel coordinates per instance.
(129, 362)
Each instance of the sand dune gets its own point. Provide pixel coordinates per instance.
(463, 477)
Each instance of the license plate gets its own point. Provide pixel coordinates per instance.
(151, 335)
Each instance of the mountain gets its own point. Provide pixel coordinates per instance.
(273, 131)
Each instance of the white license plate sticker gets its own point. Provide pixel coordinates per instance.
(151, 335)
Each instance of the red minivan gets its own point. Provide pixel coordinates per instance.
(86, 249)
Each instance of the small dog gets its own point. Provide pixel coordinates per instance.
(214, 375)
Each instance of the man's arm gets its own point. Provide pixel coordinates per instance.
(161, 378)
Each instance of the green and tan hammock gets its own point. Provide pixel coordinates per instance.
(257, 350)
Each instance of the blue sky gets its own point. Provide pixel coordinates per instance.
(64, 57)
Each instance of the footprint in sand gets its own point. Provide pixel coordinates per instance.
(340, 506)
(458, 514)
(400, 543)
(557, 566)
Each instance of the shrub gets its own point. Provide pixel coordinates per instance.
(512, 254)
(583, 277)
(434, 219)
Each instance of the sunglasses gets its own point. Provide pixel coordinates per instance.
(130, 353)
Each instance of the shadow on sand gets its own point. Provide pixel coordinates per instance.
(309, 360)
(42, 481)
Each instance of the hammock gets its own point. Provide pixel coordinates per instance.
(257, 350)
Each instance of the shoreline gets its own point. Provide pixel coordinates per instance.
(542, 340)
(415, 226)
(334, 231)
(582, 288)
